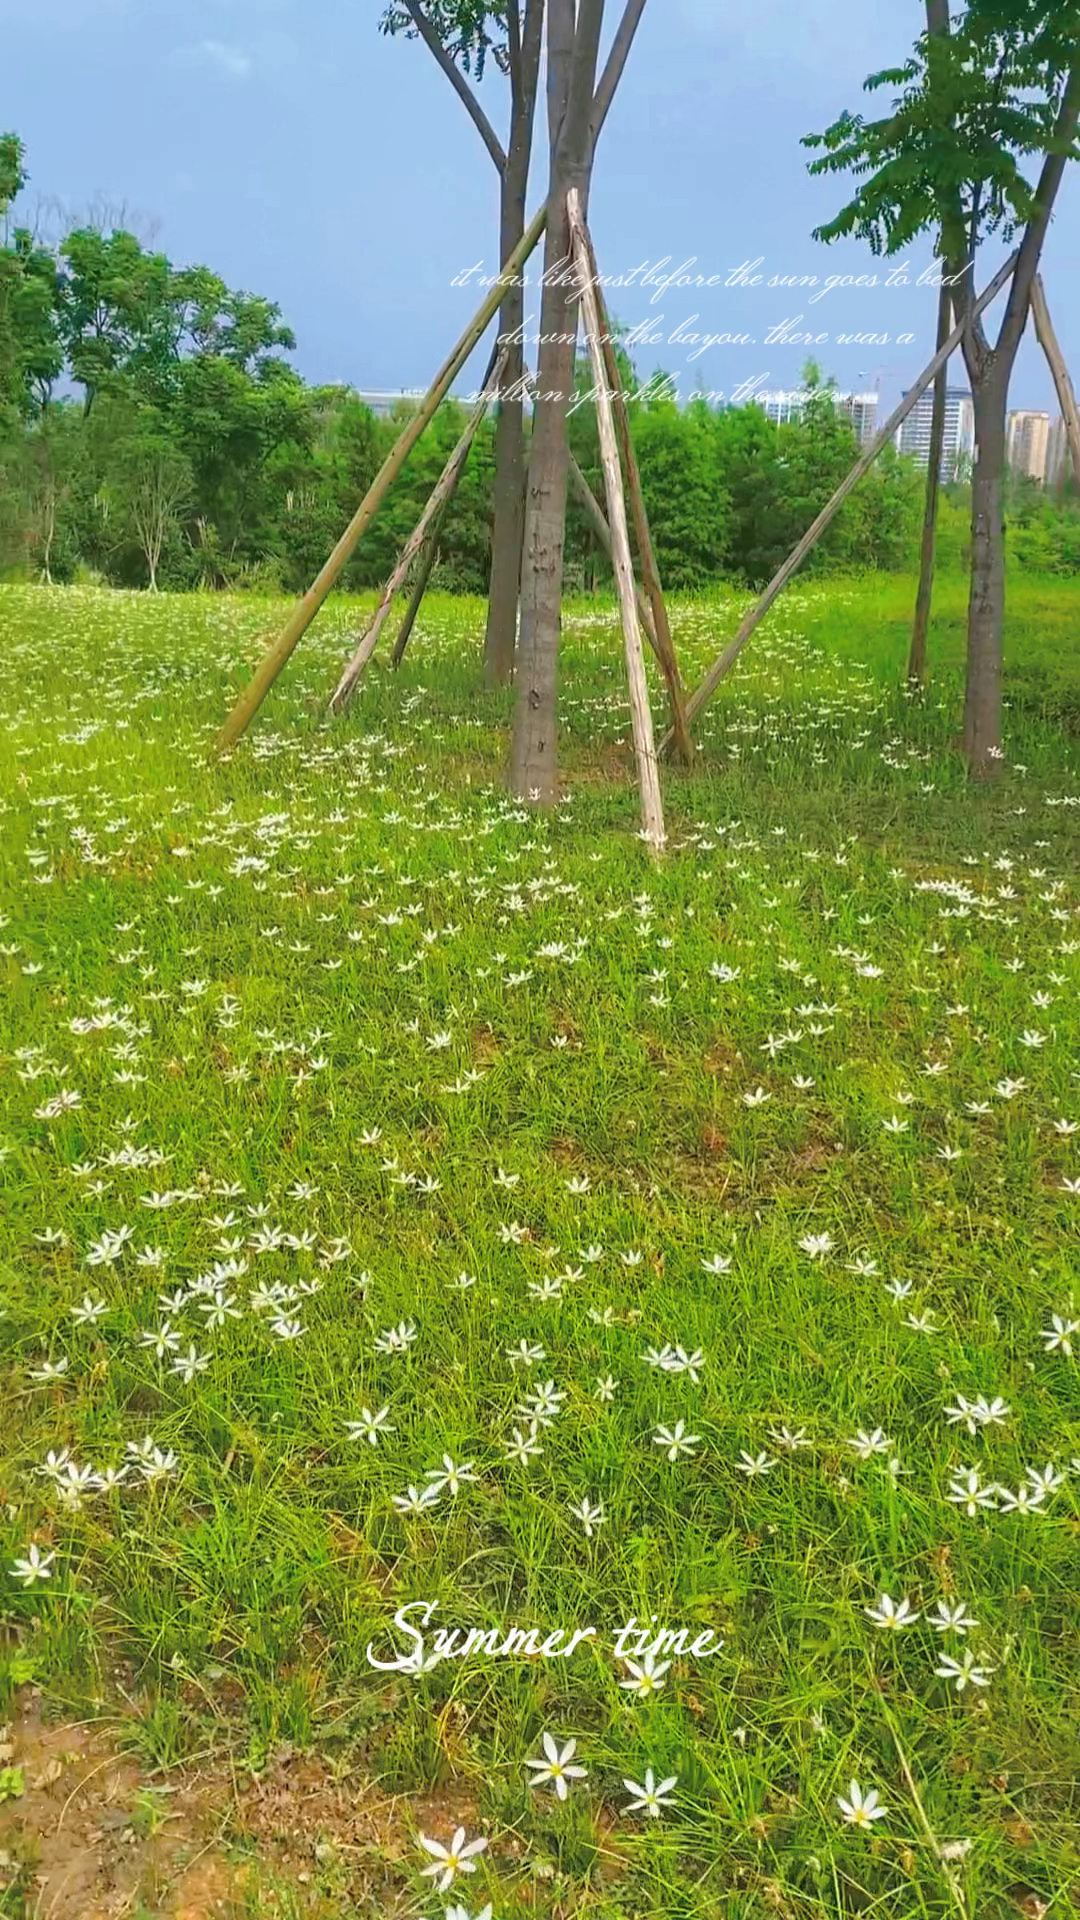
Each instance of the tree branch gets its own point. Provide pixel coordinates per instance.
(513, 41)
(1016, 312)
(616, 64)
(459, 83)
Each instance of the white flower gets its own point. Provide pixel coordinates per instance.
(966, 1490)
(1026, 1499)
(524, 1446)
(965, 1671)
(369, 1426)
(449, 1475)
(865, 1444)
(555, 1767)
(1059, 1333)
(650, 1799)
(188, 1365)
(891, 1614)
(952, 1619)
(861, 1809)
(452, 1860)
(416, 1500)
(646, 1678)
(755, 1464)
(817, 1245)
(590, 1517)
(717, 1263)
(36, 1566)
(675, 1440)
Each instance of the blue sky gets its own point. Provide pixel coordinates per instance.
(291, 147)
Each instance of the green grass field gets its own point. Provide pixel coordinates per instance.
(407, 1199)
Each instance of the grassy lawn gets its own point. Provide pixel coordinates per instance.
(405, 1199)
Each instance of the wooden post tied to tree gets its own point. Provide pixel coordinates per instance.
(928, 548)
(597, 519)
(304, 613)
(1048, 341)
(664, 646)
(652, 810)
(828, 513)
(436, 505)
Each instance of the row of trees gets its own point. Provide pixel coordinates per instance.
(991, 88)
(152, 430)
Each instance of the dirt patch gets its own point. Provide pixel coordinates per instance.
(93, 1836)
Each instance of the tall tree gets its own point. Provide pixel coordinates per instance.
(577, 108)
(31, 353)
(1000, 87)
(937, 23)
(462, 35)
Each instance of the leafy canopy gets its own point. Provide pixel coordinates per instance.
(470, 32)
(971, 107)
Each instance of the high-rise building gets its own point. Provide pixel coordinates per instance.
(1027, 438)
(1057, 454)
(862, 410)
(859, 408)
(913, 437)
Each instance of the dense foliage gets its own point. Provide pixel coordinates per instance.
(153, 431)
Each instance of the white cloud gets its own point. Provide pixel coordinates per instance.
(231, 60)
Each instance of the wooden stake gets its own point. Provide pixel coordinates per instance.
(597, 519)
(652, 809)
(445, 486)
(924, 597)
(423, 575)
(304, 612)
(664, 645)
(828, 513)
(1048, 341)
(431, 546)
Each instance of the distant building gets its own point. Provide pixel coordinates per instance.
(859, 408)
(913, 437)
(384, 403)
(1027, 443)
(1057, 454)
(862, 410)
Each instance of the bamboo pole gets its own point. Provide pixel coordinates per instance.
(437, 503)
(924, 597)
(423, 575)
(304, 612)
(427, 557)
(650, 572)
(652, 808)
(1048, 341)
(828, 513)
(597, 519)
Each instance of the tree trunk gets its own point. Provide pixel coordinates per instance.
(572, 61)
(917, 656)
(986, 606)
(508, 527)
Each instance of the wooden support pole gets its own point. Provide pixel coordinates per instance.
(924, 597)
(1048, 341)
(436, 505)
(652, 809)
(430, 549)
(650, 572)
(597, 519)
(423, 575)
(828, 513)
(304, 612)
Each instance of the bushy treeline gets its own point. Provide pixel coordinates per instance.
(152, 431)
